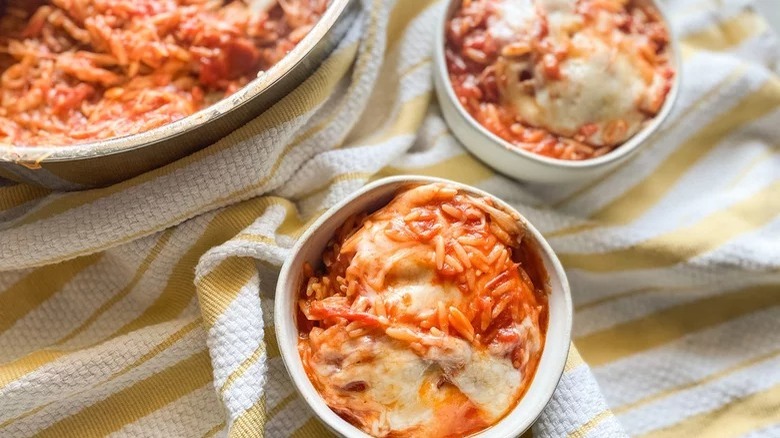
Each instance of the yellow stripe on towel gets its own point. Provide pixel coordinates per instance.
(736, 418)
(728, 33)
(18, 194)
(142, 398)
(685, 243)
(37, 287)
(670, 324)
(644, 195)
(250, 423)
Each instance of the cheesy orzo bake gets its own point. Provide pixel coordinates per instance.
(427, 317)
(82, 70)
(566, 79)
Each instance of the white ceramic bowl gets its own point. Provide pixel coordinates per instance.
(519, 163)
(373, 196)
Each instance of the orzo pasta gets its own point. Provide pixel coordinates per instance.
(567, 79)
(427, 317)
(82, 70)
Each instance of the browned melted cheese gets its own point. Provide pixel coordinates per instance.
(428, 318)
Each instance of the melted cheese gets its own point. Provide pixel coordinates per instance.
(490, 382)
(561, 15)
(396, 359)
(518, 17)
(600, 85)
(402, 386)
(511, 17)
(259, 6)
(392, 374)
(412, 290)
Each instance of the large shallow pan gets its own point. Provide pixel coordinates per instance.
(104, 162)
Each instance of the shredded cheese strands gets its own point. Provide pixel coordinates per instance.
(460, 244)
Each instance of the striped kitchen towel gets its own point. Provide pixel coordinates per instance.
(144, 308)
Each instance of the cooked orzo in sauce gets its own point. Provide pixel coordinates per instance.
(81, 70)
(427, 317)
(567, 79)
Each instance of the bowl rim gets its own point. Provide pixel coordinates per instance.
(34, 155)
(556, 348)
(618, 153)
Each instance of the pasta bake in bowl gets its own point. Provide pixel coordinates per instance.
(423, 307)
(553, 90)
(94, 92)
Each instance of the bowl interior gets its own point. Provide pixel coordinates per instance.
(626, 148)
(117, 145)
(310, 248)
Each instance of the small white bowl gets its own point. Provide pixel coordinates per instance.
(519, 163)
(373, 196)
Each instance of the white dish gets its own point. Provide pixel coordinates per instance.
(373, 196)
(519, 163)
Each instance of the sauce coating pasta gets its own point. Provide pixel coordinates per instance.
(428, 316)
(83, 70)
(567, 79)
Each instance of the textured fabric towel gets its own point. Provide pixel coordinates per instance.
(143, 309)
